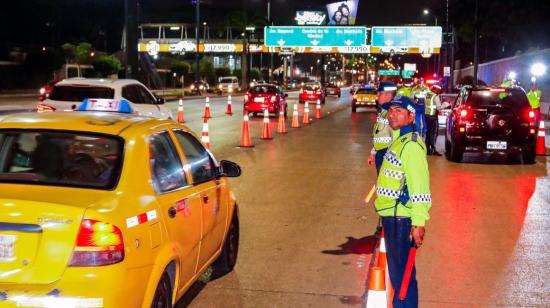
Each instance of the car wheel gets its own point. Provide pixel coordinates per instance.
(339, 95)
(300, 102)
(456, 153)
(447, 149)
(353, 108)
(323, 101)
(528, 156)
(228, 258)
(163, 293)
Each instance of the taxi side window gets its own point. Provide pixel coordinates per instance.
(166, 168)
(130, 93)
(146, 97)
(199, 160)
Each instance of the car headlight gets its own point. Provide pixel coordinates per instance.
(251, 84)
(220, 86)
(192, 87)
(201, 87)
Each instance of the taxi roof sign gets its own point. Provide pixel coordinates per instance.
(109, 105)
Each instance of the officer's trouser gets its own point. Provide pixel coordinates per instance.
(398, 244)
(420, 119)
(379, 158)
(431, 136)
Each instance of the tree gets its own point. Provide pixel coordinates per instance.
(240, 20)
(106, 65)
(223, 71)
(79, 54)
(207, 70)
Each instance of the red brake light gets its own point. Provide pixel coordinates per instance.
(463, 113)
(301, 90)
(273, 98)
(44, 108)
(98, 243)
(531, 114)
(42, 90)
(354, 96)
(246, 98)
(318, 91)
(497, 90)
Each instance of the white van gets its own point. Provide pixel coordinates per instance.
(229, 84)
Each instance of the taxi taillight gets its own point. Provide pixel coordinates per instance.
(98, 243)
(301, 90)
(44, 108)
(246, 98)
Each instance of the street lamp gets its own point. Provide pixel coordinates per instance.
(538, 69)
(426, 12)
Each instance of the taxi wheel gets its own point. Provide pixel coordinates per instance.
(163, 293)
(228, 258)
(339, 95)
(353, 108)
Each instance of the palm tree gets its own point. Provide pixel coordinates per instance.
(240, 20)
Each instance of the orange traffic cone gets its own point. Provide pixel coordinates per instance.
(318, 110)
(180, 111)
(382, 252)
(245, 139)
(205, 139)
(382, 263)
(295, 119)
(266, 134)
(281, 127)
(541, 139)
(229, 111)
(376, 296)
(306, 119)
(207, 108)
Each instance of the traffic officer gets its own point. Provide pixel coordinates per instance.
(534, 96)
(382, 133)
(420, 93)
(403, 195)
(405, 90)
(432, 109)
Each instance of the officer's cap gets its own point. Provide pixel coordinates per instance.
(386, 86)
(401, 101)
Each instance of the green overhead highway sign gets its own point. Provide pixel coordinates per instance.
(315, 36)
(407, 74)
(388, 72)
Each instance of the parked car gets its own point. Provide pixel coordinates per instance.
(68, 94)
(311, 92)
(265, 96)
(447, 102)
(229, 84)
(46, 89)
(491, 119)
(332, 89)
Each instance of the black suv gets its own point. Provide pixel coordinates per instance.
(491, 119)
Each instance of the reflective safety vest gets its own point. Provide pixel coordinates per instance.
(382, 132)
(405, 91)
(431, 107)
(534, 98)
(403, 186)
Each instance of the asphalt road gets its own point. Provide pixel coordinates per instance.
(306, 233)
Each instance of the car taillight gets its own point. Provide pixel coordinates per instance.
(98, 243)
(44, 108)
(318, 92)
(302, 91)
(354, 96)
(273, 99)
(463, 113)
(246, 98)
(531, 114)
(42, 91)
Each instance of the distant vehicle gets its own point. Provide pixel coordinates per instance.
(229, 84)
(311, 92)
(46, 89)
(265, 96)
(363, 97)
(199, 87)
(447, 101)
(332, 89)
(69, 93)
(491, 119)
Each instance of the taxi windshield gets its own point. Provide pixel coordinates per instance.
(366, 91)
(79, 93)
(70, 159)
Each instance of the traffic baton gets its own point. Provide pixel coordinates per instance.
(407, 274)
(370, 194)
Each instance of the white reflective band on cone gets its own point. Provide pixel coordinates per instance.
(245, 118)
(377, 299)
(266, 120)
(205, 139)
(382, 245)
(208, 99)
(541, 133)
(205, 127)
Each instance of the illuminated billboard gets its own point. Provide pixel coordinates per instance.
(310, 18)
(342, 13)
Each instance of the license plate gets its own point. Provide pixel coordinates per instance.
(258, 99)
(497, 145)
(7, 247)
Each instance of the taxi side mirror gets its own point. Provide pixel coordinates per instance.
(160, 101)
(229, 169)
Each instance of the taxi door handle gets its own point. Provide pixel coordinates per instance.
(172, 211)
(205, 198)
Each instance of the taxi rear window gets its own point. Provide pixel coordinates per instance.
(79, 93)
(71, 159)
(366, 91)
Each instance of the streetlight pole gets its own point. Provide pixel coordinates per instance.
(197, 30)
(131, 41)
(270, 53)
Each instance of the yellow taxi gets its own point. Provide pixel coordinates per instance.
(104, 209)
(363, 97)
